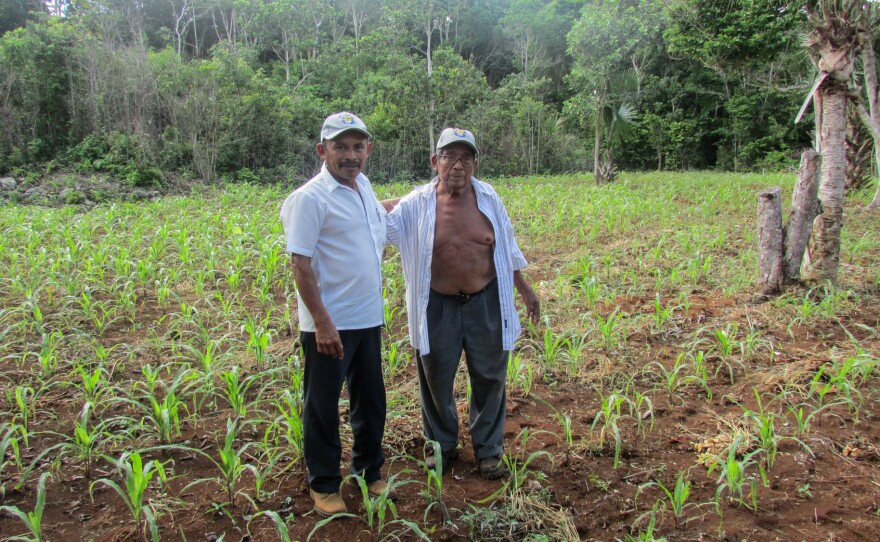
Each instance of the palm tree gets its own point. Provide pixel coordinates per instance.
(612, 117)
(832, 43)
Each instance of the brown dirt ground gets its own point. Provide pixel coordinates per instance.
(824, 489)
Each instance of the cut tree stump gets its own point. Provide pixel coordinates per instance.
(781, 249)
(805, 207)
(770, 238)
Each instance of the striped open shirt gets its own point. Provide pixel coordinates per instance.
(411, 229)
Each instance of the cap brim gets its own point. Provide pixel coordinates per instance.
(462, 142)
(337, 133)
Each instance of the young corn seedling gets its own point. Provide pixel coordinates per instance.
(395, 357)
(610, 414)
(25, 401)
(136, 478)
(648, 534)
(32, 520)
(553, 346)
(764, 422)
(643, 408)
(47, 357)
(434, 485)
(279, 523)
(661, 314)
(609, 328)
(700, 372)
(677, 497)
(519, 464)
(230, 463)
(258, 338)
(93, 385)
(377, 509)
(672, 379)
(236, 390)
(520, 373)
(290, 422)
(565, 421)
(734, 476)
(9, 453)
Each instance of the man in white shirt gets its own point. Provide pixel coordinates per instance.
(461, 263)
(335, 230)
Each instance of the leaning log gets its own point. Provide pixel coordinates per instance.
(805, 208)
(770, 239)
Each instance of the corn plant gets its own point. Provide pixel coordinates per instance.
(553, 345)
(32, 520)
(661, 314)
(92, 384)
(47, 357)
(519, 373)
(258, 338)
(85, 441)
(764, 421)
(642, 408)
(24, 399)
(136, 478)
(648, 534)
(610, 414)
(279, 523)
(377, 510)
(395, 357)
(230, 463)
(676, 497)
(10, 454)
(734, 476)
(673, 378)
(568, 437)
(434, 485)
(609, 328)
(290, 422)
(236, 390)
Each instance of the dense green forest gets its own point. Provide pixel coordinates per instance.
(142, 89)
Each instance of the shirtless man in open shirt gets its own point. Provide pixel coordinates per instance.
(461, 263)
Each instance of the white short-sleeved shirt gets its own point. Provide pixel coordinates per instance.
(343, 232)
(411, 228)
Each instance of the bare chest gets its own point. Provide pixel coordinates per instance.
(462, 224)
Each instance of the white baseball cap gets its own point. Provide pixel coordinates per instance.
(456, 135)
(344, 121)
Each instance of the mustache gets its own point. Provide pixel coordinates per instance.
(353, 163)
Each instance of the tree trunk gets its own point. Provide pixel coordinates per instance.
(831, 189)
(804, 209)
(770, 238)
(597, 133)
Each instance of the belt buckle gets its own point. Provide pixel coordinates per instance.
(463, 298)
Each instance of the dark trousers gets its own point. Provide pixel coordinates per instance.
(361, 370)
(474, 327)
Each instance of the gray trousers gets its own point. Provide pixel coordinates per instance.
(472, 325)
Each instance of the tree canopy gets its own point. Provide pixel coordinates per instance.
(239, 87)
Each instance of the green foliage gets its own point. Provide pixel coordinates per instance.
(133, 94)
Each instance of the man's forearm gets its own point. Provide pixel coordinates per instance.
(307, 286)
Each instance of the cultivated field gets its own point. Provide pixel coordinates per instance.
(150, 377)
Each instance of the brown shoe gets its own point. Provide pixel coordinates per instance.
(448, 458)
(328, 504)
(493, 468)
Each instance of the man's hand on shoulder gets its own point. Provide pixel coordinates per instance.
(390, 204)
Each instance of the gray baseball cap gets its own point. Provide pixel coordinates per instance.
(456, 135)
(344, 121)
